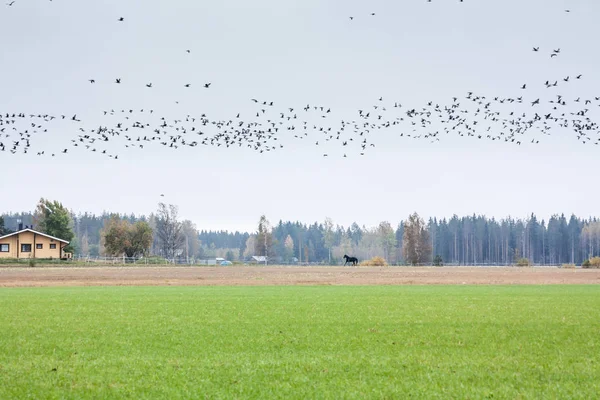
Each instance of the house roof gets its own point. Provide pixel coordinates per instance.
(36, 232)
(259, 258)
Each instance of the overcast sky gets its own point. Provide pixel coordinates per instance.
(296, 53)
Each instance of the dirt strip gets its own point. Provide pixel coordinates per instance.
(263, 276)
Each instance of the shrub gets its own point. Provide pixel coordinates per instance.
(586, 264)
(523, 262)
(595, 262)
(32, 262)
(568, 266)
(438, 262)
(374, 262)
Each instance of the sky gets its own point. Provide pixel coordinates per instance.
(296, 53)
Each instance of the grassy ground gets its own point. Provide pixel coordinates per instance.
(301, 342)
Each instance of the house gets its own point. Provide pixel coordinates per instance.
(28, 243)
(259, 259)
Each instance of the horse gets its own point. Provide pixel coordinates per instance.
(352, 260)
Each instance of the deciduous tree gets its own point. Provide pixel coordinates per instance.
(169, 231)
(264, 239)
(328, 236)
(417, 245)
(53, 219)
(85, 245)
(387, 239)
(289, 248)
(191, 239)
(123, 238)
(250, 246)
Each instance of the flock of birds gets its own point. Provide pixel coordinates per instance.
(504, 119)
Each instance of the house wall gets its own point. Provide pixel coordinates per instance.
(33, 239)
(12, 242)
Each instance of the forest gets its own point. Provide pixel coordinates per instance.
(467, 240)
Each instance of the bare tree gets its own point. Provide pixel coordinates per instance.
(169, 230)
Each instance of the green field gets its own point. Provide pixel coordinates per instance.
(301, 342)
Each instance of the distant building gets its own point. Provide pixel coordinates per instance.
(28, 243)
(259, 259)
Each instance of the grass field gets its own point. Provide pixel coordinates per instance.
(301, 342)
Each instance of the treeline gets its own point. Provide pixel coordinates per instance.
(88, 231)
(472, 240)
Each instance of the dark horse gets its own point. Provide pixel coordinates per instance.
(352, 260)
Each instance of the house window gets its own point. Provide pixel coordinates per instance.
(52, 246)
(39, 246)
(26, 248)
(4, 248)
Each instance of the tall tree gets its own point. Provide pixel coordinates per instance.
(289, 248)
(328, 236)
(121, 237)
(53, 219)
(264, 239)
(387, 239)
(2, 228)
(399, 240)
(191, 239)
(417, 245)
(250, 247)
(85, 245)
(169, 231)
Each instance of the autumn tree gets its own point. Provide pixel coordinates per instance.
(52, 218)
(169, 231)
(416, 242)
(122, 237)
(264, 239)
(289, 248)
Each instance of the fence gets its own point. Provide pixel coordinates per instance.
(143, 261)
(123, 260)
